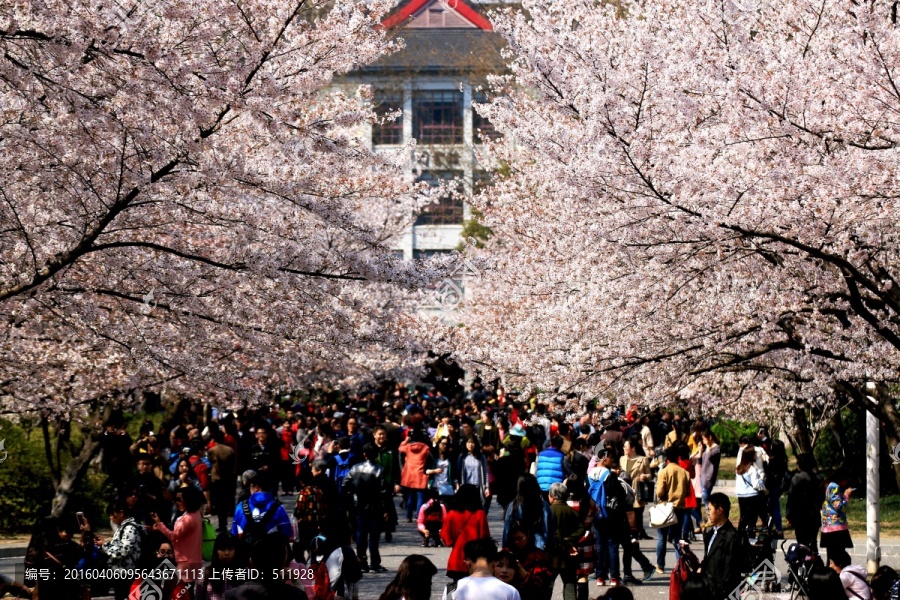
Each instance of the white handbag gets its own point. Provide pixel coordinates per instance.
(662, 514)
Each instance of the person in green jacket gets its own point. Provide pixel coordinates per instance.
(569, 529)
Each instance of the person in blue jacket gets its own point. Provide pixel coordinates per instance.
(261, 514)
(552, 465)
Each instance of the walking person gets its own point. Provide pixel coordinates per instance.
(222, 477)
(637, 466)
(709, 465)
(673, 485)
(749, 488)
(552, 465)
(412, 581)
(365, 489)
(415, 454)
(390, 462)
(473, 469)
(465, 521)
(531, 510)
(225, 556)
(606, 490)
(442, 472)
(803, 509)
(835, 530)
(187, 533)
(725, 553)
(587, 510)
(569, 531)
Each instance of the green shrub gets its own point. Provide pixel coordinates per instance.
(730, 432)
(28, 487)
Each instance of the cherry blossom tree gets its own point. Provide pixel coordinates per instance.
(698, 199)
(186, 203)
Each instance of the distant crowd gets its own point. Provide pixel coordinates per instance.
(199, 498)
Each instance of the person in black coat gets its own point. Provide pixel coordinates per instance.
(803, 505)
(726, 554)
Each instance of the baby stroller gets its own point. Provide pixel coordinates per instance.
(763, 575)
(800, 560)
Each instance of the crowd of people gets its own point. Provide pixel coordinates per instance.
(574, 492)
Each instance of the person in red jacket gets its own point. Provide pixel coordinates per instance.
(415, 453)
(465, 521)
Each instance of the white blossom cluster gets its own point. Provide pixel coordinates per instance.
(697, 199)
(184, 205)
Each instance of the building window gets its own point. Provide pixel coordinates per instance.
(390, 132)
(438, 117)
(481, 180)
(448, 210)
(482, 128)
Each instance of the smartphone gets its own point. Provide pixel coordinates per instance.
(82, 522)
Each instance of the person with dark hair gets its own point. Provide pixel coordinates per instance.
(415, 454)
(124, 549)
(265, 454)
(171, 587)
(480, 584)
(725, 554)
(261, 514)
(531, 510)
(221, 478)
(803, 508)
(535, 575)
(225, 556)
(709, 464)
(552, 465)
(366, 492)
(187, 533)
(673, 485)
(51, 549)
(430, 521)
(150, 490)
(390, 462)
(412, 581)
(636, 465)
(853, 577)
(465, 521)
(824, 584)
(749, 487)
(507, 469)
(884, 582)
(472, 468)
(271, 557)
(442, 471)
(611, 522)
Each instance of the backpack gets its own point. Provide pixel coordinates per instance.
(607, 503)
(209, 539)
(257, 530)
(341, 470)
(310, 507)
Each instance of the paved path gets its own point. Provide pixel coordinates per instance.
(407, 541)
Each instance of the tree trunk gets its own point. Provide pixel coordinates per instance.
(836, 424)
(891, 429)
(886, 411)
(75, 470)
(801, 435)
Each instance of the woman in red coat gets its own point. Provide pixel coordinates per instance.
(415, 454)
(465, 521)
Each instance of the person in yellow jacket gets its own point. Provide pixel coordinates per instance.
(673, 485)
